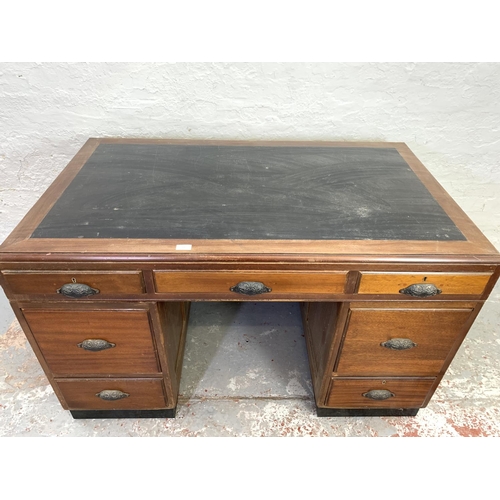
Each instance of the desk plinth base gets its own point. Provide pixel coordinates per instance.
(80, 414)
(366, 412)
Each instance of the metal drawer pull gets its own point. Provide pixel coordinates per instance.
(399, 344)
(250, 288)
(77, 290)
(421, 290)
(95, 345)
(112, 395)
(378, 394)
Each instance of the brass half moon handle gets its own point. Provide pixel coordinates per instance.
(77, 290)
(399, 344)
(250, 288)
(421, 290)
(378, 394)
(95, 345)
(112, 395)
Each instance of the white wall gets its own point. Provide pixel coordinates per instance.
(448, 114)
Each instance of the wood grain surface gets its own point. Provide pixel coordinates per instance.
(145, 394)
(391, 283)
(58, 333)
(111, 282)
(408, 393)
(433, 330)
(279, 282)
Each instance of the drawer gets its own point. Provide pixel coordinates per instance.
(392, 283)
(426, 337)
(270, 284)
(58, 333)
(112, 282)
(403, 393)
(137, 394)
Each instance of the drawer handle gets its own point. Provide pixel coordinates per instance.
(421, 290)
(112, 395)
(399, 344)
(250, 288)
(77, 290)
(378, 394)
(95, 345)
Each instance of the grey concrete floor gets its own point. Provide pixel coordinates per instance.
(246, 373)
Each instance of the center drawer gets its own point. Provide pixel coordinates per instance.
(239, 284)
(85, 342)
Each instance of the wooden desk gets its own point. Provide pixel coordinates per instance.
(389, 271)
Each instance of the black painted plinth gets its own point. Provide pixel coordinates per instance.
(167, 413)
(366, 412)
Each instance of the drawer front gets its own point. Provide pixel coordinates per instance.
(279, 283)
(107, 283)
(140, 394)
(448, 284)
(425, 338)
(59, 333)
(404, 393)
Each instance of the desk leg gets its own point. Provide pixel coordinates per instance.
(173, 319)
(320, 321)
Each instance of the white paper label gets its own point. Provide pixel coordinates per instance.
(183, 247)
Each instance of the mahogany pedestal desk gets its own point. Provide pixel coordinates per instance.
(389, 271)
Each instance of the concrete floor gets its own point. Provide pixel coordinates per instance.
(246, 374)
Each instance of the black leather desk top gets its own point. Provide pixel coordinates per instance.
(247, 192)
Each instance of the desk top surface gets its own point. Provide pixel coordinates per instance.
(239, 192)
(246, 197)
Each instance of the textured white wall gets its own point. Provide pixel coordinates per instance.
(448, 114)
